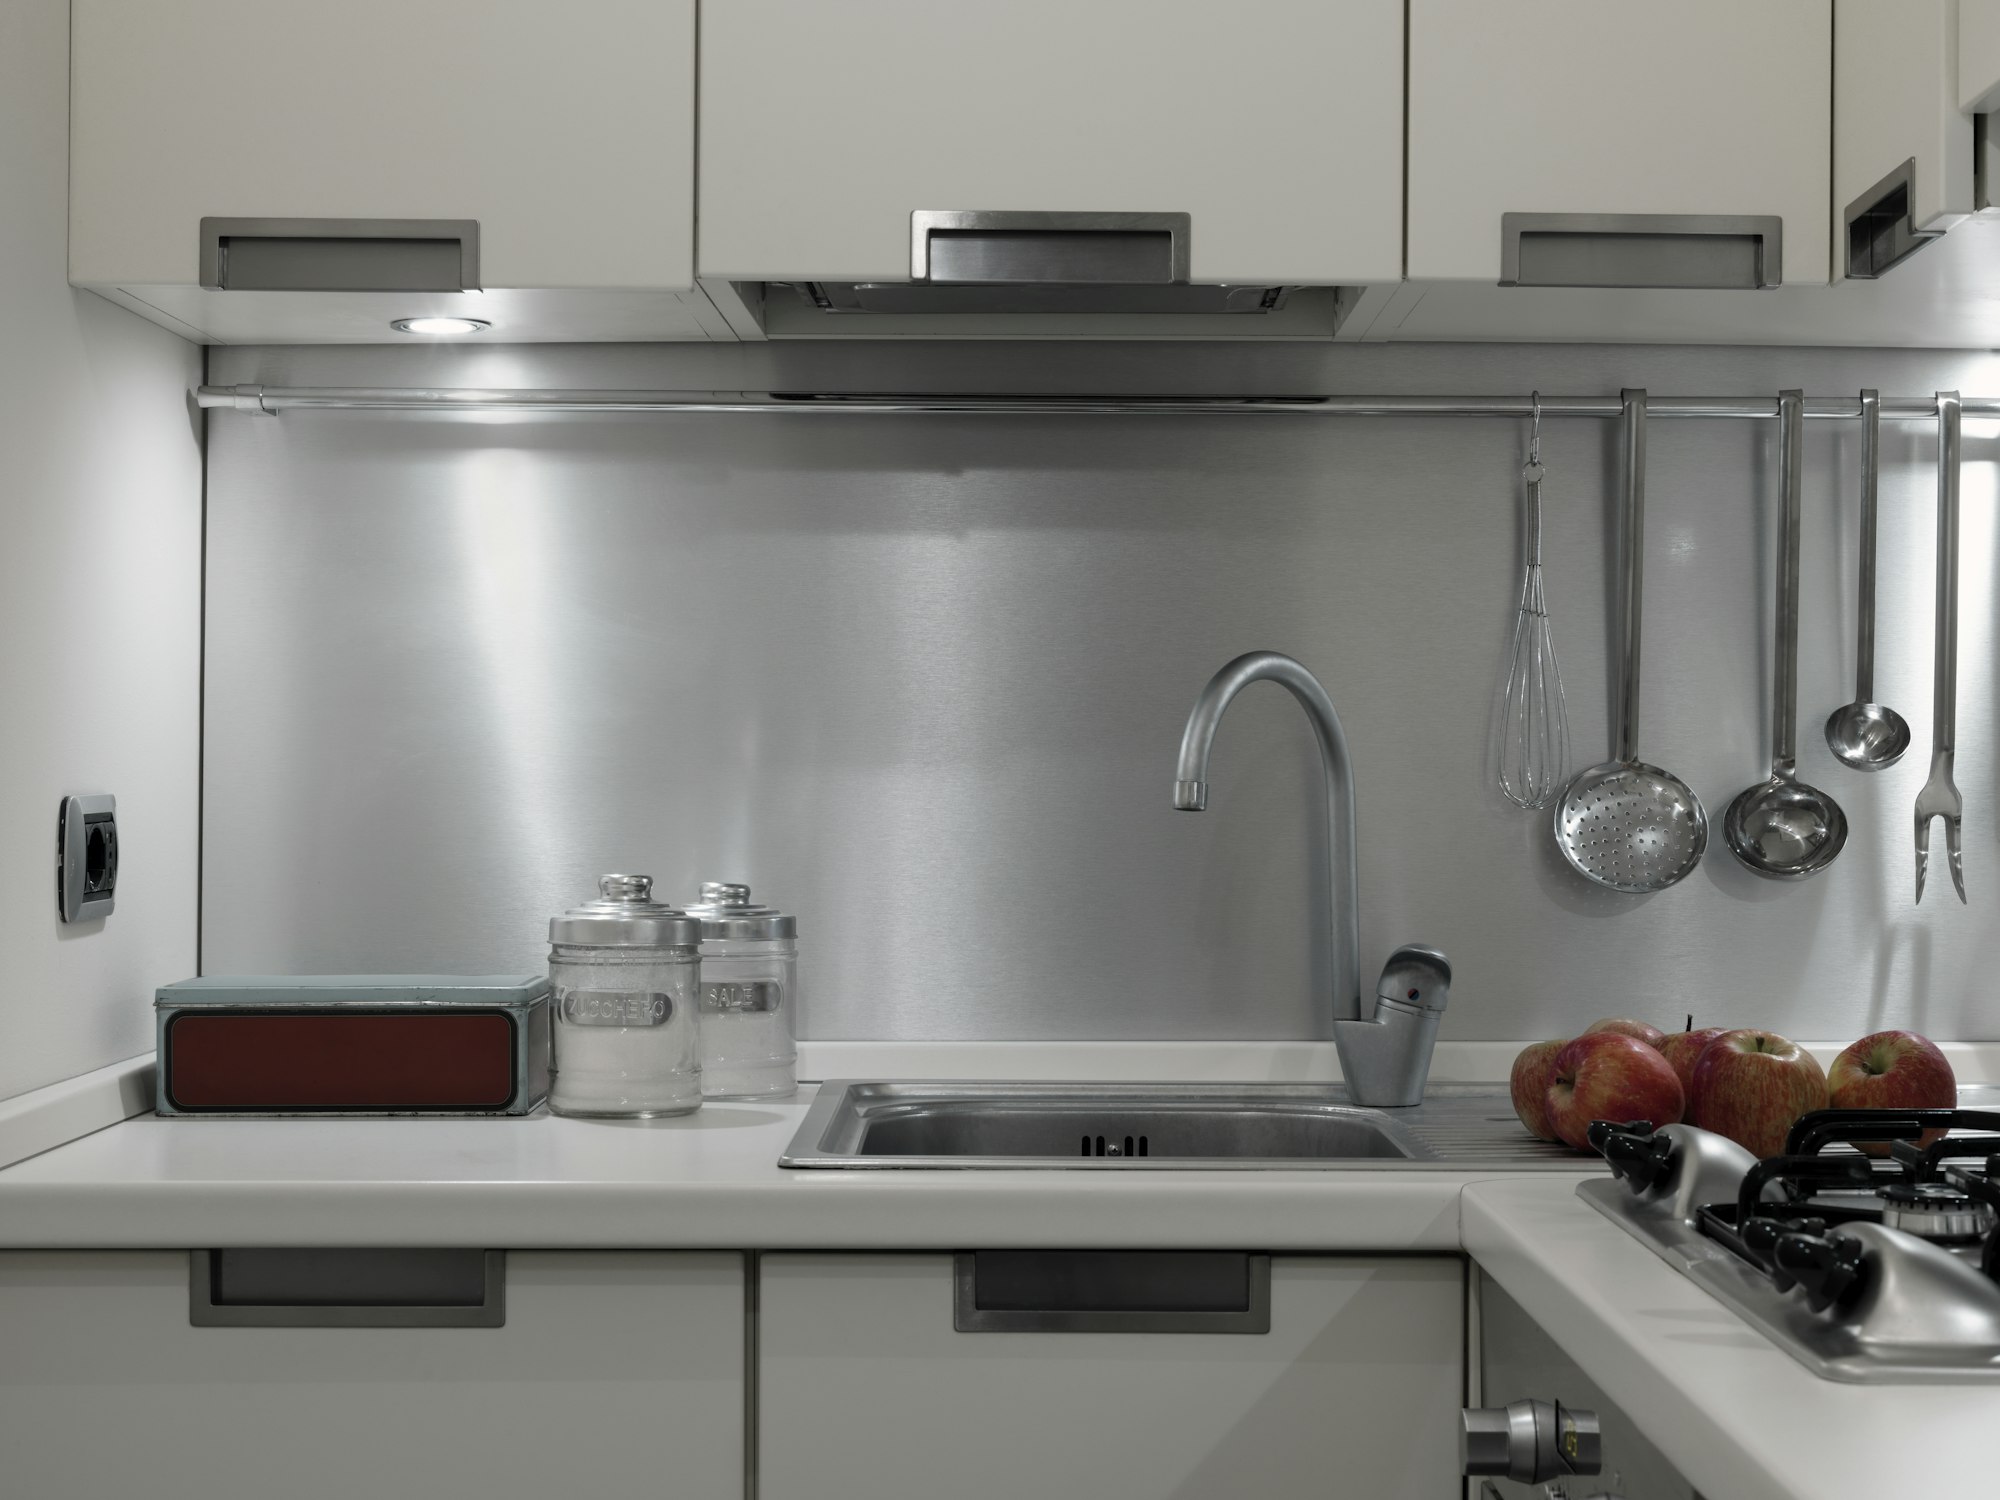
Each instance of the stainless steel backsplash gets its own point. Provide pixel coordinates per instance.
(921, 680)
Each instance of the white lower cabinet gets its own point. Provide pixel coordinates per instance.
(614, 1373)
(867, 1388)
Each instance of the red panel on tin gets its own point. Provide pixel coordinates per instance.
(340, 1060)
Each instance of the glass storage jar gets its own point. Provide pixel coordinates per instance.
(626, 972)
(749, 980)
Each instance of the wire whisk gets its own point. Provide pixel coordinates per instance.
(1534, 731)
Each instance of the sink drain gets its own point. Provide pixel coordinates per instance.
(1098, 1145)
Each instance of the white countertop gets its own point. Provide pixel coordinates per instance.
(1737, 1415)
(703, 1181)
(1731, 1410)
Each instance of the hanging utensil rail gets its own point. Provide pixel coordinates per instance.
(269, 400)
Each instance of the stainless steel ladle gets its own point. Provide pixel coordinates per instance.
(1781, 827)
(1865, 735)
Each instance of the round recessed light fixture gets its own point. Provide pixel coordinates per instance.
(445, 326)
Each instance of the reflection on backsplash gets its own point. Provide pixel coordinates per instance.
(922, 680)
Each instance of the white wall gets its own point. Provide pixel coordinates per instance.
(100, 600)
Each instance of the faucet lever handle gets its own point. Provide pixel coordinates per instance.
(1415, 978)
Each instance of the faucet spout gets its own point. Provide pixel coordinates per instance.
(1191, 795)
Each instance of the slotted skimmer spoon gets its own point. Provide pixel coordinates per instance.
(1784, 828)
(1626, 824)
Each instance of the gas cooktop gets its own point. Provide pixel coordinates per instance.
(1863, 1267)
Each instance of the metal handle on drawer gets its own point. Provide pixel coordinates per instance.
(1688, 251)
(340, 255)
(1112, 1291)
(1881, 225)
(315, 1288)
(970, 247)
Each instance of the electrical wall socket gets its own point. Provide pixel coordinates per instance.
(86, 857)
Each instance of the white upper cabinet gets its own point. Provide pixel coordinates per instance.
(1681, 145)
(1978, 56)
(1842, 122)
(1275, 127)
(1902, 147)
(274, 168)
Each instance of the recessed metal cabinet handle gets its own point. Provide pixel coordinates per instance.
(340, 255)
(319, 1288)
(1881, 225)
(971, 247)
(1691, 251)
(1112, 1291)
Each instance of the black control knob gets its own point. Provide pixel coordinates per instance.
(1646, 1162)
(1597, 1132)
(1760, 1237)
(1529, 1441)
(1827, 1267)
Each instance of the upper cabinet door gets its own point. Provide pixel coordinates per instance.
(1707, 116)
(1902, 148)
(1978, 56)
(1275, 125)
(565, 132)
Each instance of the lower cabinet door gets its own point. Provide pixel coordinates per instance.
(613, 1373)
(867, 1386)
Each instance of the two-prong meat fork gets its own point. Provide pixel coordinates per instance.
(1939, 798)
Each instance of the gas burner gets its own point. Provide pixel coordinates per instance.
(1935, 1211)
(1861, 1267)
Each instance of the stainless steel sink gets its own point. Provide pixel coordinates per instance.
(1177, 1127)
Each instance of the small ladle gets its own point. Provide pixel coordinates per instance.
(1781, 827)
(1865, 735)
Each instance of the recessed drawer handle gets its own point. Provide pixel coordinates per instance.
(1112, 1291)
(1690, 251)
(340, 255)
(1881, 225)
(317, 1288)
(984, 247)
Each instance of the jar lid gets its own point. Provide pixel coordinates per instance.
(625, 915)
(727, 912)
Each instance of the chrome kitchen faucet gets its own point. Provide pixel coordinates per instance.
(1386, 1056)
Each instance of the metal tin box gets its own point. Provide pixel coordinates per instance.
(353, 1044)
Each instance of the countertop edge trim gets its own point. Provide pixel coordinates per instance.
(45, 1118)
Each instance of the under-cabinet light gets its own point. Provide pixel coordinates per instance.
(439, 325)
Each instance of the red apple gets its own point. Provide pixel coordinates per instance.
(1606, 1075)
(1680, 1049)
(1752, 1086)
(1892, 1070)
(1652, 1036)
(1529, 1083)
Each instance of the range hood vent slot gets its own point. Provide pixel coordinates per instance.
(1075, 298)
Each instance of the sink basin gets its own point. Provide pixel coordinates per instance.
(1177, 1126)
(1162, 1127)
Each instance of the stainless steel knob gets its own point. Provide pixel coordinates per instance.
(1529, 1441)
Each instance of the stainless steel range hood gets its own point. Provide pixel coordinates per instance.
(1037, 274)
